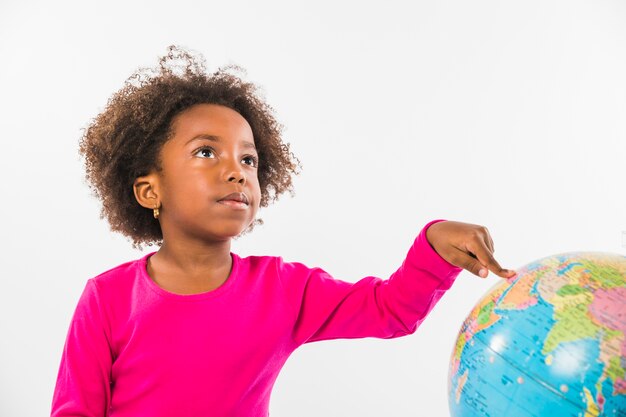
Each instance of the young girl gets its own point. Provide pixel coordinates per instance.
(185, 162)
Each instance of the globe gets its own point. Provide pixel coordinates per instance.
(549, 342)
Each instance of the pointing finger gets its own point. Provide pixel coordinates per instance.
(467, 260)
(485, 257)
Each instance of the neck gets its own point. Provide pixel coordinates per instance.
(194, 258)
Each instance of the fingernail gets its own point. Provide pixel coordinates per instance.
(482, 272)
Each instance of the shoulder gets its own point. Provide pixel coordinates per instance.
(298, 274)
(272, 267)
(275, 263)
(256, 265)
(123, 275)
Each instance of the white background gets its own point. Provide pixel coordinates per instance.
(511, 115)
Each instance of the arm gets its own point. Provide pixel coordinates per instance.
(83, 382)
(327, 308)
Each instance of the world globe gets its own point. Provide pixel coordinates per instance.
(549, 342)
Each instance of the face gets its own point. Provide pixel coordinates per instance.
(199, 170)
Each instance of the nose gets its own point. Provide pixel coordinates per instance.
(237, 177)
(235, 174)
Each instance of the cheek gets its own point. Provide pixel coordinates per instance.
(177, 189)
(185, 188)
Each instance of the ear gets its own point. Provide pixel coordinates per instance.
(146, 189)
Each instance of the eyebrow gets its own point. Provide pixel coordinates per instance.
(215, 138)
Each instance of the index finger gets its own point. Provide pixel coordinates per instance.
(485, 257)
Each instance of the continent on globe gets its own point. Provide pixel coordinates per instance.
(550, 342)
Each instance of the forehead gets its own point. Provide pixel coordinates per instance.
(211, 119)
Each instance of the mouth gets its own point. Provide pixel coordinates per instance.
(235, 197)
(238, 205)
(236, 201)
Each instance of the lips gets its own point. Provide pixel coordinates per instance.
(240, 197)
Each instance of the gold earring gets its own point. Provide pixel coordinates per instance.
(155, 212)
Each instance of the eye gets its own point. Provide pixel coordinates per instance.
(207, 149)
(254, 159)
(204, 149)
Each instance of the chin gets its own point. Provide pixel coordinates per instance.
(230, 234)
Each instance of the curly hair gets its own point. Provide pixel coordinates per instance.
(124, 141)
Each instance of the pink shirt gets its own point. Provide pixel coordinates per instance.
(135, 349)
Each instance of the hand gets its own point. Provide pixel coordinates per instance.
(467, 246)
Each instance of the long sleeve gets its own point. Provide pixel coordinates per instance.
(135, 349)
(83, 382)
(328, 308)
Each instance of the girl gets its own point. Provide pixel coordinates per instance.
(185, 162)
